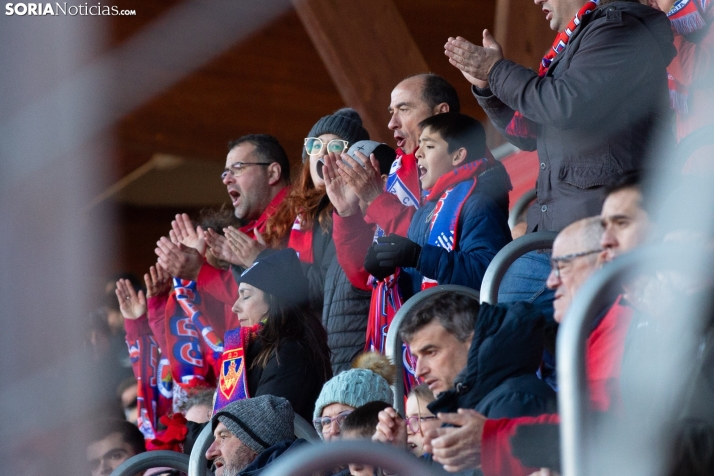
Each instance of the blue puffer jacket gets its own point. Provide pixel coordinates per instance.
(269, 455)
(482, 229)
(499, 380)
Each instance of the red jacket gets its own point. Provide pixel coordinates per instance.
(353, 235)
(603, 359)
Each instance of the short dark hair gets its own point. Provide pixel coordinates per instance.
(437, 90)
(363, 420)
(455, 312)
(458, 130)
(130, 434)
(631, 179)
(268, 149)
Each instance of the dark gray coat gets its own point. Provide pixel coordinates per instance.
(595, 112)
(344, 316)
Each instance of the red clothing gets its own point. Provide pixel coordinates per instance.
(269, 211)
(603, 359)
(353, 235)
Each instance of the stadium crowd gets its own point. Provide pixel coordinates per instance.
(281, 306)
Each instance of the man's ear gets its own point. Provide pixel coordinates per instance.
(274, 172)
(384, 179)
(459, 157)
(440, 109)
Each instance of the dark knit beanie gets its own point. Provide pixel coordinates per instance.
(345, 124)
(258, 422)
(279, 274)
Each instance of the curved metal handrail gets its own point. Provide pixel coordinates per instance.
(393, 346)
(198, 461)
(573, 395)
(690, 143)
(504, 259)
(152, 459)
(305, 430)
(520, 205)
(310, 459)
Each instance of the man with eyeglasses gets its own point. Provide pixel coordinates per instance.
(477, 440)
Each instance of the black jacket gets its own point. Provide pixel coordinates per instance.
(499, 380)
(595, 112)
(344, 317)
(289, 374)
(323, 254)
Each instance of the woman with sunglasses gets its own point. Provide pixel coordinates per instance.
(304, 221)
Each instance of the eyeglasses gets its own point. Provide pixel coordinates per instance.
(414, 423)
(323, 424)
(314, 145)
(237, 168)
(567, 259)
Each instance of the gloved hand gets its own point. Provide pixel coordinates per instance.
(395, 250)
(371, 265)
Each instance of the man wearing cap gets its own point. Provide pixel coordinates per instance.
(250, 434)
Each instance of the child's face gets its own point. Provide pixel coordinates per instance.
(433, 158)
(357, 469)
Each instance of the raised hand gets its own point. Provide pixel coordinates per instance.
(179, 260)
(158, 282)
(341, 195)
(182, 231)
(474, 62)
(245, 248)
(366, 181)
(220, 247)
(131, 304)
(391, 428)
(457, 448)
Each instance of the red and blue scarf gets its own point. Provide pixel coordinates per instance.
(686, 17)
(519, 125)
(233, 377)
(301, 241)
(403, 182)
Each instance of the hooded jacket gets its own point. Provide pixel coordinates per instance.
(499, 380)
(595, 112)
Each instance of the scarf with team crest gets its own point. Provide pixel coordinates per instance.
(233, 377)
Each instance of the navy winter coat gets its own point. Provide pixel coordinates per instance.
(499, 380)
(269, 455)
(482, 232)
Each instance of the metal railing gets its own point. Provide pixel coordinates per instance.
(504, 259)
(576, 423)
(394, 342)
(152, 459)
(310, 459)
(520, 205)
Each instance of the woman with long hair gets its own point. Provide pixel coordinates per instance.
(281, 347)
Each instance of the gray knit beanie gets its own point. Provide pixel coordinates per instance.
(354, 387)
(345, 123)
(258, 422)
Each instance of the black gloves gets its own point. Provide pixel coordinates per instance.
(389, 253)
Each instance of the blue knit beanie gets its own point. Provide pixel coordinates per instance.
(358, 386)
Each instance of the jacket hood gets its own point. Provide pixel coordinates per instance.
(507, 343)
(269, 455)
(654, 20)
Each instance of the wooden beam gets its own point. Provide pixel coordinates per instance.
(523, 32)
(367, 49)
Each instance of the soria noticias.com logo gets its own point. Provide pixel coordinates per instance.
(57, 8)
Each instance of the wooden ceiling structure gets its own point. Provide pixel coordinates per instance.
(315, 57)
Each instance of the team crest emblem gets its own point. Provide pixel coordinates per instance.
(231, 372)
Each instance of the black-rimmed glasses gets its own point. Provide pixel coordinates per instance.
(566, 259)
(237, 168)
